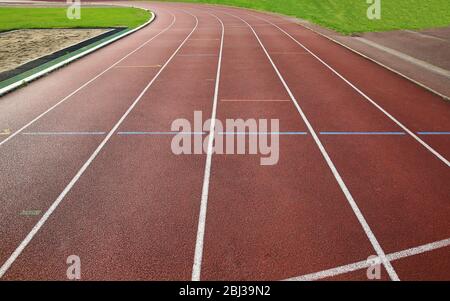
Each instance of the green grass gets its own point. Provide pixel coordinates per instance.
(349, 16)
(19, 18)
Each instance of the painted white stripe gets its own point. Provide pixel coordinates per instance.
(331, 165)
(66, 190)
(411, 133)
(420, 249)
(255, 100)
(71, 59)
(159, 133)
(86, 84)
(198, 255)
(197, 55)
(365, 264)
(332, 272)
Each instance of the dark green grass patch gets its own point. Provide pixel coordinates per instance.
(349, 16)
(37, 17)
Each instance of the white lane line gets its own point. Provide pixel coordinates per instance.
(411, 133)
(141, 66)
(198, 255)
(365, 264)
(159, 133)
(198, 55)
(255, 100)
(62, 133)
(364, 133)
(80, 172)
(86, 84)
(420, 249)
(343, 186)
(332, 272)
(5, 132)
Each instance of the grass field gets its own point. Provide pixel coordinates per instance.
(349, 16)
(19, 18)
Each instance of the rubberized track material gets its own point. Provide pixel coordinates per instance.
(87, 167)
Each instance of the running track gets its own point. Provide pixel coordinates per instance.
(85, 169)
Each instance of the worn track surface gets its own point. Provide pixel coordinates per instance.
(88, 170)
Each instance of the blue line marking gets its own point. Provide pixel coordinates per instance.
(433, 133)
(206, 133)
(161, 133)
(362, 133)
(263, 133)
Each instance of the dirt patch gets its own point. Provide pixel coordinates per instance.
(21, 46)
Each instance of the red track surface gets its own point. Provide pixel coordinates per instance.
(133, 212)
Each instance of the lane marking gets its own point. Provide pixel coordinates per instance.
(160, 133)
(433, 133)
(363, 133)
(143, 66)
(365, 264)
(87, 83)
(288, 53)
(227, 133)
(373, 240)
(332, 272)
(4, 268)
(420, 249)
(5, 132)
(205, 39)
(263, 133)
(255, 100)
(32, 212)
(424, 144)
(198, 55)
(198, 255)
(206, 133)
(62, 133)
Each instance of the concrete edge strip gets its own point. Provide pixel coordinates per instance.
(405, 57)
(447, 98)
(74, 57)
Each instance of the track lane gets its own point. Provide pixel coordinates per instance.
(392, 97)
(253, 231)
(149, 213)
(22, 107)
(36, 168)
(245, 255)
(417, 182)
(17, 226)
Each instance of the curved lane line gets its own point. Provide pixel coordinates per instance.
(373, 240)
(80, 172)
(85, 84)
